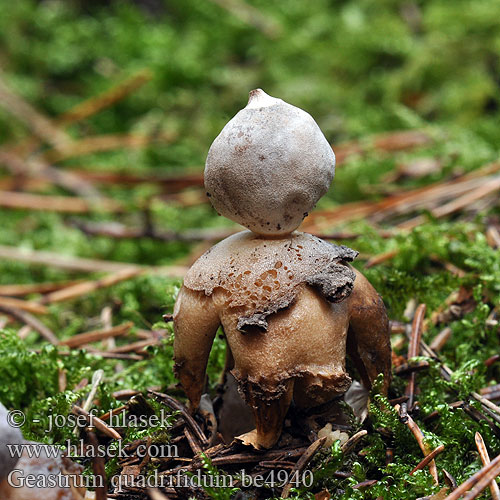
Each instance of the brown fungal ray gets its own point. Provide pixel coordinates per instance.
(261, 275)
(368, 340)
(300, 351)
(196, 322)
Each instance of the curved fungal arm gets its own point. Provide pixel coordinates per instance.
(195, 324)
(368, 339)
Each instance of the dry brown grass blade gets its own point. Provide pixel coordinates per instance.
(485, 459)
(97, 335)
(98, 468)
(119, 231)
(86, 287)
(37, 168)
(96, 104)
(414, 348)
(488, 186)
(23, 305)
(479, 481)
(302, 463)
(419, 436)
(96, 422)
(27, 289)
(109, 142)
(62, 204)
(28, 319)
(79, 264)
(440, 339)
(39, 124)
(168, 183)
(399, 140)
(428, 197)
(431, 456)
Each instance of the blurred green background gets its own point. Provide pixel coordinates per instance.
(358, 66)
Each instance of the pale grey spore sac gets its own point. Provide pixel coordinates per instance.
(277, 166)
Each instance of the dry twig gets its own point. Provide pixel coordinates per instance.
(96, 422)
(27, 289)
(485, 459)
(478, 482)
(302, 463)
(98, 467)
(96, 335)
(23, 305)
(95, 104)
(64, 204)
(109, 142)
(79, 264)
(86, 287)
(40, 125)
(419, 436)
(414, 348)
(26, 318)
(433, 454)
(37, 168)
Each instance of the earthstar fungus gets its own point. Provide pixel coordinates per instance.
(290, 304)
